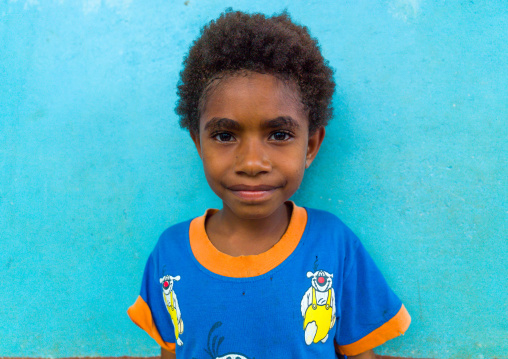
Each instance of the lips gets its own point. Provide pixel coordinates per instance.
(242, 187)
(253, 193)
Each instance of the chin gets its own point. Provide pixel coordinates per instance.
(254, 210)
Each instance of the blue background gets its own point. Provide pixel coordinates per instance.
(93, 165)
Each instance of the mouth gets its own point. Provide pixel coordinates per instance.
(253, 193)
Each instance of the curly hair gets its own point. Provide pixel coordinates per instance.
(237, 42)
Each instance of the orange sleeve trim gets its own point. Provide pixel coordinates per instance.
(251, 265)
(391, 329)
(140, 314)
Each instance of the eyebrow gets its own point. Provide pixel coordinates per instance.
(282, 122)
(217, 124)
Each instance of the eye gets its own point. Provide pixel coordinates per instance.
(280, 136)
(223, 137)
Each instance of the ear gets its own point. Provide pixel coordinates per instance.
(177, 278)
(196, 140)
(310, 274)
(313, 145)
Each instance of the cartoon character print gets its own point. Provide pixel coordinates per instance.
(318, 307)
(213, 350)
(172, 305)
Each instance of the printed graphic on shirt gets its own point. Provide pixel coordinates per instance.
(318, 307)
(172, 305)
(213, 349)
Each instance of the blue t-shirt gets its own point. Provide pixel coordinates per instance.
(315, 293)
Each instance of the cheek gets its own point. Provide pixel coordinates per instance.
(293, 155)
(294, 168)
(211, 164)
(215, 169)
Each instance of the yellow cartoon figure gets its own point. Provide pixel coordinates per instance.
(318, 307)
(172, 305)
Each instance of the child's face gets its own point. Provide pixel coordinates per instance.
(254, 143)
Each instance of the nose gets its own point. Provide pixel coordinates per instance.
(252, 158)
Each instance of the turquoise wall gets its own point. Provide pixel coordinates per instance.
(93, 165)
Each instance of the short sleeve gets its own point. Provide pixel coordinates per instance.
(149, 312)
(370, 312)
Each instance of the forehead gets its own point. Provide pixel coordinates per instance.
(253, 97)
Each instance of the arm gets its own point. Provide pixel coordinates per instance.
(177, 307)
(165, 354)
(307, 298)
(369, 354)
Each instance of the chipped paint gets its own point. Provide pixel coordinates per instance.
(94, 6)
(405, 9)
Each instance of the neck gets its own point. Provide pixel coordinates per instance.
(237, 236)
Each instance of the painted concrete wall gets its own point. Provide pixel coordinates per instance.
(93, 165)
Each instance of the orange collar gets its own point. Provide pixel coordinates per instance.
(245, 266)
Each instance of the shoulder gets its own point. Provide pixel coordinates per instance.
(175, 230)
(323, 216)
(329, 230)
(173, 238)
(325, 221)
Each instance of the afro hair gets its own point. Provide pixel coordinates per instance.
(239, 42)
